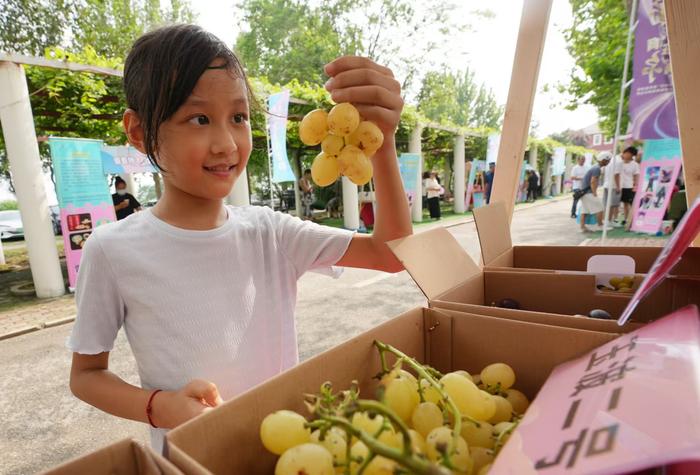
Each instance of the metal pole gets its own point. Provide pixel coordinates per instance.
(459, 174)
(414, 146)
(623, 86)
(269, 161)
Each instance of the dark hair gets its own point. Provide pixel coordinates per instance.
(163, 68)
(308, 170)
(426, 175)
(632, 150)
(119, 181)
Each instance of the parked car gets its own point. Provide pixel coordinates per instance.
(11, 225)
(56, 219)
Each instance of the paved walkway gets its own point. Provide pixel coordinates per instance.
(55, 312)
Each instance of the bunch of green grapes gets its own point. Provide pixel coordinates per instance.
(347, 143)
(423, 423)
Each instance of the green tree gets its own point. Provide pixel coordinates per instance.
(111, 26)
(446, 97)
(288, 39)
(597, 41)
(30, 26)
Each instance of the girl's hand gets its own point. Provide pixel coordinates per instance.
(371, 88)
(172, 408)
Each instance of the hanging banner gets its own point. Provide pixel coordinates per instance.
(278, 104)
(661, 164)
(475, 185)
(588, 159)
(652, 107)
(494, 142)
(559, 161)
(409, 166)
(83, 195)
(120, 159)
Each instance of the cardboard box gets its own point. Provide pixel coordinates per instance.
(226, 440)
(447, 275)
(126, 457)
(498, 252)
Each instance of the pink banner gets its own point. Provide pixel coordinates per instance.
(630, 405)
(77, 223)
(659, 171)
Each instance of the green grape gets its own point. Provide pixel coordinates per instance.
(518, 400)
(358, 453)
(465, 395)
(503, 427)
(343, 119)
(402, 397)
(309, 459)
(334, 442)
(478, 436)
(367, 423)
(461, 372)
(426, 417)
(391, 438)
(332, 145)
(314, 127)
(498, 374)
(324, 169)
(417, 442)
(487, 409)
(430, 393)
(378, 466)
(504, 410)
(367, 137)
(283, 430)
(440, 441)
(481, 457)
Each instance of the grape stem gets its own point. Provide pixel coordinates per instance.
(416, 465)
(425, 374)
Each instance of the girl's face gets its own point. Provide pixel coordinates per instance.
(204, 147)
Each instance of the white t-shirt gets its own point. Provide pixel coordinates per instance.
(628, 171)
(433, 188)
(216, 305)
(616, 166)
(578, 171)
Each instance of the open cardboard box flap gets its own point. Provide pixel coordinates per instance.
(493, 230)
(126, 457)
(226, 439)
(435, 261)
(497, 250)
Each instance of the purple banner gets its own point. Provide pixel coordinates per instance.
(652, 108)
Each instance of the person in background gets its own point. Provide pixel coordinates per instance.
(591, 202)
(533, 182)
(577, 174)
(488, 178)
(616, 194)
(426, 179)
(628, 180)
(124, 203)
(433, 188)
(307, 195)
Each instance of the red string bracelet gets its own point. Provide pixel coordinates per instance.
(149, 408)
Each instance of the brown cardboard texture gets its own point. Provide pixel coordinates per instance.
(446, 273)
(497, 249)
(126, 457)
(226, 440)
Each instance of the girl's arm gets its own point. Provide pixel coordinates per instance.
(377, 96)
(93, 382)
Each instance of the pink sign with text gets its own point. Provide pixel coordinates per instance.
(631, 404)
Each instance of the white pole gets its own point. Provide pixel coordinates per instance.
(2, 255)
(459, 174)
(414, 146)
(269, 162)
(351, 205)
(239, 195)
(25, 164)
(131, 186)
(623, 85)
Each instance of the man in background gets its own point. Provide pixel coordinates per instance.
(577, 174)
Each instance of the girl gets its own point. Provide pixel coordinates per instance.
(207, 297)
